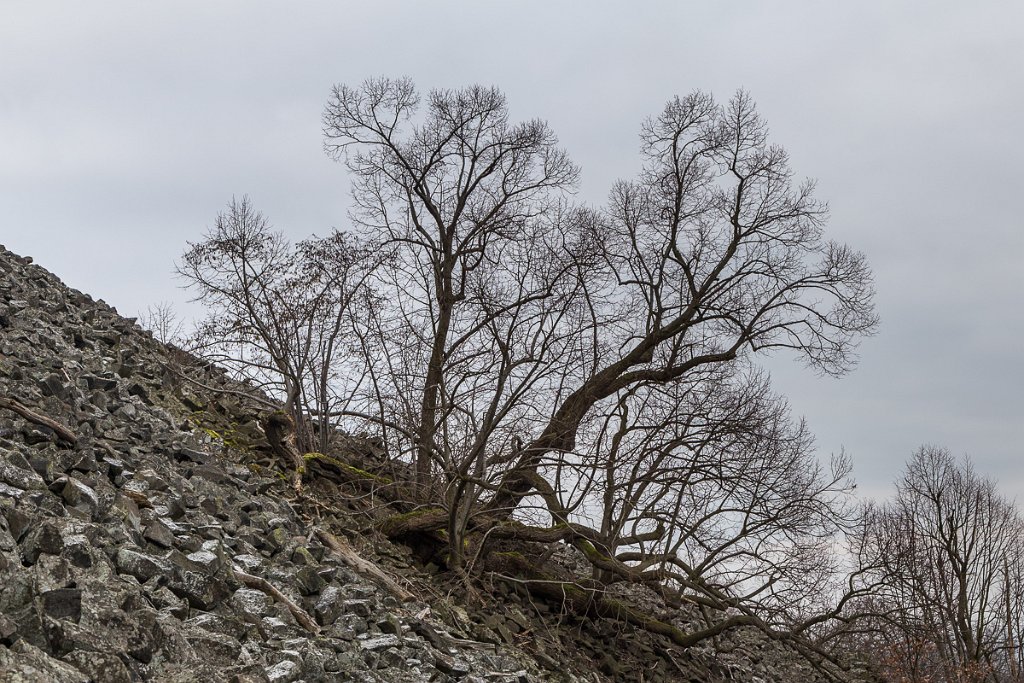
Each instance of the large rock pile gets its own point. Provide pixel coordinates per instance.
(149, 544)
(118, 552)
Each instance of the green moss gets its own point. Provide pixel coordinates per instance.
(354, 472)
(400, 523)
(591, 552)
(512, 555)
(229, 435)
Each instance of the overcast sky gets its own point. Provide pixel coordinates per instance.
(126, 126)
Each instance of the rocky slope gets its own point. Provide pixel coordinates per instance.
(156, 540)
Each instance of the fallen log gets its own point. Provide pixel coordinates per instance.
(351, 558)
(32, 416)
(261, 584)
(415, 522)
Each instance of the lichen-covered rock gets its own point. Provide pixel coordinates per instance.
(141, 565)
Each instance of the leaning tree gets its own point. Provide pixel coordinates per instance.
(590, 375)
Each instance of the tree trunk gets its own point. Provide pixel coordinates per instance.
(280, 430)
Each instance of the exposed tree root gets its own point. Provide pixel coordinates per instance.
(589, 599)
(419, 524)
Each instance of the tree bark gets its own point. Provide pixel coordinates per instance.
(280, 430)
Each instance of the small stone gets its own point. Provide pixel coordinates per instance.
(391, 659)
(155, 481)
(308, 581)
(360, 608)
(163, 598)
(10, 491)
(453, 667)
(159, 534)
(283, 672)
(206, 559)
(18, 522)
(78, 551)
(201, 590)
(7, 542)
(330, 606)
(192, 455)
(390, 624)
(277, 538)
(215, 648)
(380, 643)
(141, 566)
(115, 468)
(249, 563)
(86, 463)
(276, 627)
(8, 630)
(97, 383)
(302, 556)
(277, 523)
(45, 538)
(54, 385)
(100, 666)
(252, 602)
(43, 466)
(175, 509)
(78, 495)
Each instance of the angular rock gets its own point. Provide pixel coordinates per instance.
(62, 603)
(203, 591)
(215, 648)
(360, 608)
(248, 563)
(140, 565)
(308, 581)
(158, 533)
(76, 494)
(206, 559)
(380, 642)
(284, 672)
(252, 602)
(25, 663)
(45, 538)
(24, 479)
(330, 606)
(99, 666)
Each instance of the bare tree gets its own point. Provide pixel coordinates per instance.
(279, 313)
(559, 373)
(165, 324)
(593, 373)
(953, 573)
(716, 255)
(714, 479)
(470, 201)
